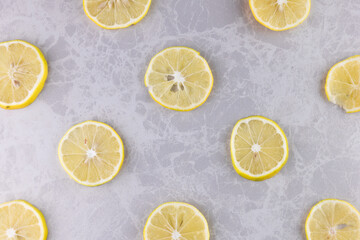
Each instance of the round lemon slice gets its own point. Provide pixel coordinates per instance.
(176, 221)
(115, 14)
(21, 220)
(333, 219)
(23, 72)
(178, 78)
(92, 153)
(280, 15)
(343, 84)
(259, 148)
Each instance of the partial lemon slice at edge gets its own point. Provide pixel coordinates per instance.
(332, 218)
(120, 10)
(286, 14)
(20, 223)
(344, 78)
(171, 220)
(23, 72)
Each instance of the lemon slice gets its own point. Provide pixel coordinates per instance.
(176, 221)
(259, 148)
(343, 84)
(115, 14)
(21, 220)
(178, 78)
(280, 15)
(92, 153)
(23, 72)
(333, 219)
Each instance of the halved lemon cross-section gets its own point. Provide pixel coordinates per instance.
(259, 148)
(91, 153)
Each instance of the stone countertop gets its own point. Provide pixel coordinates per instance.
(173, 156)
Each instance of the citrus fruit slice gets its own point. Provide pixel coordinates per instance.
(333, 219)
(343, 84)
(23, 72)
(115, 14)
(21, 220)
(176, 221)
(92, 153)
(280, 15)
(179, 78)
(259, 148)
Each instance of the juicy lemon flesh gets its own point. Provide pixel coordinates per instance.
(343, 85)
(259, 147)
(179, 79)
(280, 14)
(20, 69)
(333, 220)
(92, 153)
(116, 12)
(19, 222)
(177, 222)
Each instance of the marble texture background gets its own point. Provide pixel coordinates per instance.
(172, 156)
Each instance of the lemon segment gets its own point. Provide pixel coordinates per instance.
(176, 221)
(280, 15)
(21, 220)
(178, 78)
(343, 84)
(259, 148)
(92, 153)
(333, 219)
(115, 14)
(23, 72)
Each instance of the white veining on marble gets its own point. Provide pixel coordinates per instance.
(98, 74)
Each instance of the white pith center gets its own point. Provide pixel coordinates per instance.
(11, 233)
(175, 235)
(332, 231)
(178, 78)
(12, 70)
(281, 3)
(91, 153)
(256, 148)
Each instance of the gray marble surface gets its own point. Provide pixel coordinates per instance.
(172, 156)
